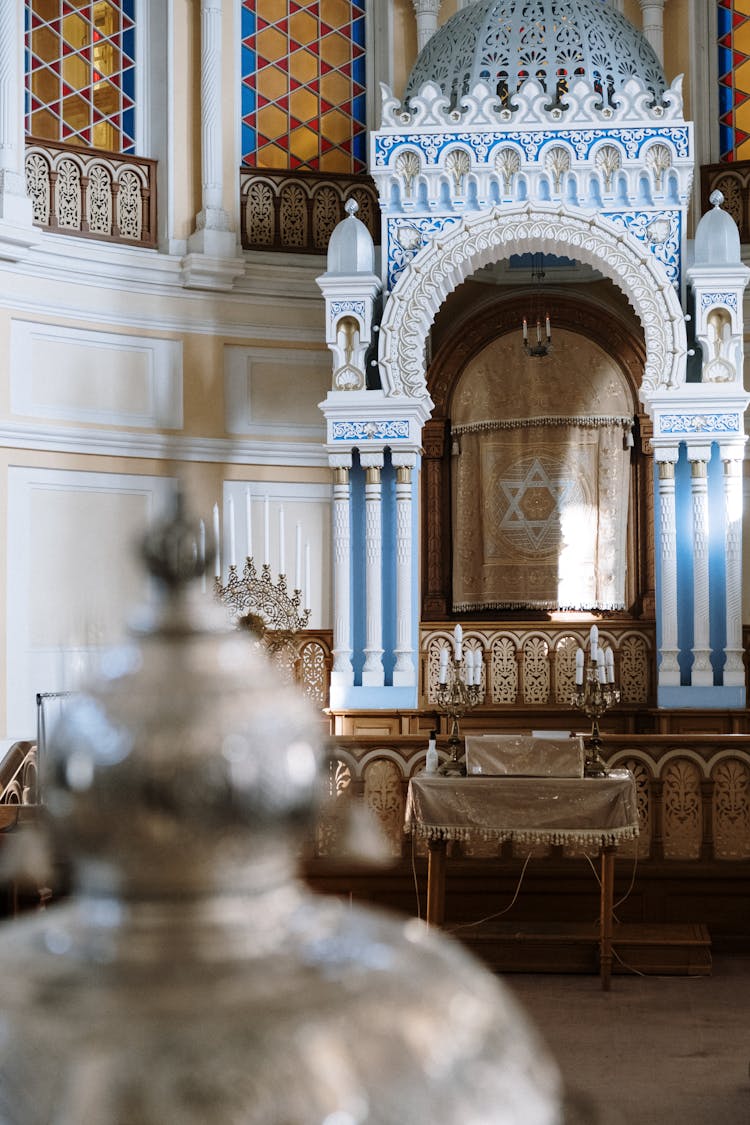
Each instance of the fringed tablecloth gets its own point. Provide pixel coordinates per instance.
(599, 811)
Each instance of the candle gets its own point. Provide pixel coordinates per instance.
(601, 674)
(525, 329)
(202, 554)
(298, 557)
(217, 543)
(443, 665)
(282, 546)
(457, 638)
(232, 542)
(579, 667)
(308, 588)
(609, 664)
(538, 332)
(266, 532)
(547, 327)
(249, 521)
(594, 642)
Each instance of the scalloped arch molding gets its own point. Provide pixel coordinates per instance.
(484, 237)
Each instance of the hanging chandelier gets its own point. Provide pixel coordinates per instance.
(542, 345)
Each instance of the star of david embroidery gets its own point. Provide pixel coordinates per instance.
(534, 503)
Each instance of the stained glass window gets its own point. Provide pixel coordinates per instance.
(734, 79)
(80, 72)
(303, 85)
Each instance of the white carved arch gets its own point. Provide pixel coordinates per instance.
(484, 237)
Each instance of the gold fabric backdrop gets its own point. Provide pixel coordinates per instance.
(540, 478)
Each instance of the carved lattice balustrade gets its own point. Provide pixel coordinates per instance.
(92, 194)
(534, 666)
(296, 213)
(693, 793)
(733, 181)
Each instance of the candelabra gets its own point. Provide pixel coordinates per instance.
(459, 689)
(594, 694)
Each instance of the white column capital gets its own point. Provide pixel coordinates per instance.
(699, 454)
(403, 459)
(372, 460)
(427, 20)
(340, 460)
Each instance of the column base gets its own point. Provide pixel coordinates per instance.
(700, 698)
(373, 699)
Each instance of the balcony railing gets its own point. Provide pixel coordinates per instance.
(733, 181)
(296, 212)
(92, 194)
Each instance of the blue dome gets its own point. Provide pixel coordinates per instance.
(504, 42)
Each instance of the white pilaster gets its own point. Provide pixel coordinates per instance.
(212, 261)
(17, 232)
(669, 668)
(701, 673)
(653, 25)
(373, 673)
(734, 670)
(342, 673)
(404, 672)
(427, 20)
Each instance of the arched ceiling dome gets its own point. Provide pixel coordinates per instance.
(504, 42)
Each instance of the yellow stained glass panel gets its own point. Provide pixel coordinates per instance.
(335, 126)
(271, 43)
(741, 37)
(303, 143)
(75, 31)
(334, 87)
(335, 161)
(303, 28)
(271, 156)
(742, 7)
(303, 105)
(75, 71)
(303, 66)
(267, 10)
(45, 85)
(76, 111)
(105, 135)
(334, 50)
(271, 83)
(44, 44)
(272, 121)
(44, 125)
(335, 13)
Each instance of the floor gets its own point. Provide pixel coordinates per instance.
(652, 1051)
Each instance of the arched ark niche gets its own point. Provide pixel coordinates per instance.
(481, 238)
(475, 319)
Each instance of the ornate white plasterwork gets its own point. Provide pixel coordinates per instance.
(718, 297)
(488, 236)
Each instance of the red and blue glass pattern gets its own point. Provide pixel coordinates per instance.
(303, 85)
(80, 72)
(734, 79)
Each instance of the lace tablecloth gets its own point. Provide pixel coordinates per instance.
(597, 811)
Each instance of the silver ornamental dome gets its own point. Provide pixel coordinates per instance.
(191, 978)
(504, 42)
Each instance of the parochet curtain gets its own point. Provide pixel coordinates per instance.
(540, 513)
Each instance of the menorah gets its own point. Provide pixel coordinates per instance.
(459, 689)
(265, 607)
(595, 693)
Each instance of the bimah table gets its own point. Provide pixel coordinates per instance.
(587, 811)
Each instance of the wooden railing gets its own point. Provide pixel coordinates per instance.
(92, 194)
(733, 181)
(18, 775)
(693, 792)
(296, 212)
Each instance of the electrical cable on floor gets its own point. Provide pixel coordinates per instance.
(615, 954)
(499, 913)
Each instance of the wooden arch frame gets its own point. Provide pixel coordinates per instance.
(621, 339)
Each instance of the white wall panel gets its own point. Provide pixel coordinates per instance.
(73, 575)
(105, 378)
(308, 505)
(275, 390)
